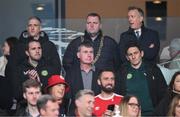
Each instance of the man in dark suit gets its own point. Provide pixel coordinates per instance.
(147, 38)
(82, 75)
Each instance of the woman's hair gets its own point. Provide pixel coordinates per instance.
(171, 84)
(11, 41)
(173, 105)
(124, 105)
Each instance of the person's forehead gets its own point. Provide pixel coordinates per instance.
(34, 43)
(107, 74)
(59, 85)
(134, 11)
(93, 18)
(132, 49)
(50, 104)
(87, 97)
(132, 100)
(32, 89)
(177, 77)
(33, 20)
(86, 48)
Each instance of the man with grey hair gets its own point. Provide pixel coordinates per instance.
(174, 49)
(138, 32)
(48, 106)
(84, 101)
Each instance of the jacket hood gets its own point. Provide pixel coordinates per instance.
(42, 38)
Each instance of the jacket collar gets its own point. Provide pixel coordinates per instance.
(130, 30)
(87, 35)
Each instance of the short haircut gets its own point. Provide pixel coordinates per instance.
(43, 100)
(175, 44)
(35, 17)
(105, 70)
(83, 92)
(30, 40)
(141, 12)
(132, 44)
(94, 15)
(30, 83)
(85, 44)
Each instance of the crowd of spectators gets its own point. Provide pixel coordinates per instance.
(103, 77)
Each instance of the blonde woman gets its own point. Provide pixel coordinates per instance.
(174, 109)
(130, 106)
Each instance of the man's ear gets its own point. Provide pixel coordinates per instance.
(27, 53)
(141, 18)
(78, 55)
(127, 58)
(42, 112)
(77, 102)
(24, 95)
(142, 53)
(98, 81)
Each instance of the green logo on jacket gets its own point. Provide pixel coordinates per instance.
(44, 72)
(129, 76)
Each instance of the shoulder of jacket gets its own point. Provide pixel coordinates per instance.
(109, 39)
(76, 40)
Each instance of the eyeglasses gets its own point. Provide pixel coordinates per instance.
(133, 105)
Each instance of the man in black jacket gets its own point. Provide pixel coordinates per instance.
(34, 67)
(105, 48)
(84, 74)
(141, 79)
(147, 38)
(49, 50)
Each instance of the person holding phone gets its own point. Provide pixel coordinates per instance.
(107, 99)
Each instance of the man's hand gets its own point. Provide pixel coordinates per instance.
(107, 113)
(33, 75)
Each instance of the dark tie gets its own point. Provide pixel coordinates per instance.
(137, 34)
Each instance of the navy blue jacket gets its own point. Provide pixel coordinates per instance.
(109, 56)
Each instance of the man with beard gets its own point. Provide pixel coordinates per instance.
(105, 48)
(107, 97)
(31, 93)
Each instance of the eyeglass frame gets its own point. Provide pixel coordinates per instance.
(133, 105)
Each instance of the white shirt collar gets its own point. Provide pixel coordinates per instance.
(138, 30)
